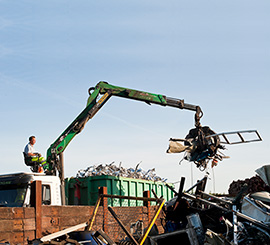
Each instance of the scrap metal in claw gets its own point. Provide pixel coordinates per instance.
(203, 144)
(206, 146)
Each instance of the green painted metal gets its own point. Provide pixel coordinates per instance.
(132, 94)
(94, 103)
(88, 189)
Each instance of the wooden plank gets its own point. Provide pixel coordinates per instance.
(49, 222)
(29, 213)
(17, 238)
(51, 211)
(6, 225)
(12, 237)
(6, 213)
(29, 235)
(17, 224)
(4, 237)
(70, 221)
(38, 209)
(75, 210)
(36, 202)
(66, 231)
(29, 224)
(18, 213)
(50, 230)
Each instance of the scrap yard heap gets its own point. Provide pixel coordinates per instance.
(110, 204)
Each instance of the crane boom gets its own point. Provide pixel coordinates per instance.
(94, 104)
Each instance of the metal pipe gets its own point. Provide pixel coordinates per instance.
(216, 198)
(90, 225)
(142, 240)
(150, 199)
(234, 225)
(199, 182)
(254, 221)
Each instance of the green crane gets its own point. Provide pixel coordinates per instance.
(94, 104)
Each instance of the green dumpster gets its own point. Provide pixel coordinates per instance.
(84, 191)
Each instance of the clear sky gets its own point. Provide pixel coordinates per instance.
(215, 54)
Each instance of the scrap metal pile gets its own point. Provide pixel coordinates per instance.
(239, 220)
(242, 219)
(192, 217)
(119, 171)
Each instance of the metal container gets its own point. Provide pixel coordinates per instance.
(84, 191)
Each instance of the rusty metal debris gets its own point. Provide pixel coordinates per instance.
(202, 144)
(193, 217)
(239, 220)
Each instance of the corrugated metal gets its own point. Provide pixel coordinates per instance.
(84, 191)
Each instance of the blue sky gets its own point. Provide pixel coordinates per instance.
(214, 54)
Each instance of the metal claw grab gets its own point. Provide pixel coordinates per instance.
(202, 144)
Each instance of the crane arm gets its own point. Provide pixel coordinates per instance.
(150, 98)
(95, 102)
(145, 96)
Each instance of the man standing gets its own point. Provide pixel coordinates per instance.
(32, 158)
